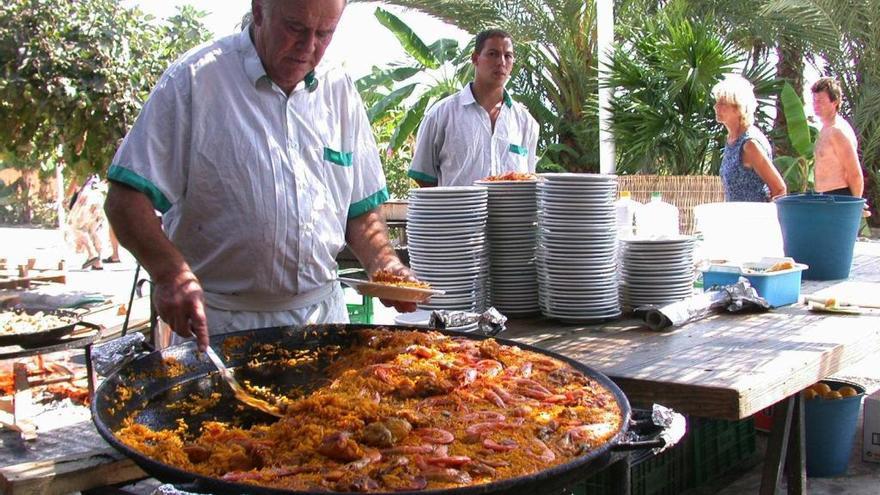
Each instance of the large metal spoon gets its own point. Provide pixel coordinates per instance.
(239, 391)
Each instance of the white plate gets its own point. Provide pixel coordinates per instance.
(415, 319)
(391, 292)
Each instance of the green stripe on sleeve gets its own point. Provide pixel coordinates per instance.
(368, 203)
(135, 181)
(415, 174)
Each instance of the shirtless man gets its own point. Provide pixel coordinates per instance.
(837, 163)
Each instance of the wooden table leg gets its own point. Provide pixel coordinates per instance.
(796, 465)
(777, 445)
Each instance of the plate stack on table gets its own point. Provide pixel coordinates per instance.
(576, 247)
(656, 271)
(446, 232)
(513, 235)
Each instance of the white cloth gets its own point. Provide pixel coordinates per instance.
(332, 309)
(256, 186)
(455, 145)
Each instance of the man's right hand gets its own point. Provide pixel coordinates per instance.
(181, 304)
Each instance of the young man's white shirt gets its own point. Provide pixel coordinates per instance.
(456, 146)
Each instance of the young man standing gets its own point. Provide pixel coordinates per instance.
(837, 161)
(479, 131)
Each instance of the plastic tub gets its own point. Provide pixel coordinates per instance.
(820, 230)
(831, 429)
(779, 288)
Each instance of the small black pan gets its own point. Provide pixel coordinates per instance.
(48, 336)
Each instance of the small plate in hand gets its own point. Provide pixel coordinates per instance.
(391, 292)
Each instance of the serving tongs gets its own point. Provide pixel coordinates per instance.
(239, 391)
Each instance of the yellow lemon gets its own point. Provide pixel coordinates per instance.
(848, 391)
(821, 388)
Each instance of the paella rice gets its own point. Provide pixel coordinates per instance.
(406, 410)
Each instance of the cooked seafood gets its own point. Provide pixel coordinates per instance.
(405, 410)
(388, 278)
(18, 322)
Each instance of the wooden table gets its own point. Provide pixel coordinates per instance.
(732, 366)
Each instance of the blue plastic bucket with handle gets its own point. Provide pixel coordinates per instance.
(820, 231)
(831, 426)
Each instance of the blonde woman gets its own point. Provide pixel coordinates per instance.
(747, 171)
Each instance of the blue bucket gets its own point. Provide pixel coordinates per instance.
(831, 429)
(820, 231)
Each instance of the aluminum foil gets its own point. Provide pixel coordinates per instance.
(490, 323)
(171, 490)
(674, 426)
(734, 298)
(112, 355)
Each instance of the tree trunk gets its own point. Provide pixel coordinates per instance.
(790, 67)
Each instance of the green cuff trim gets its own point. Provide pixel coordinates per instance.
(135, 181)
(415, 174)
(368, 203)
(507, 99)
(519, 150)
(338, 157)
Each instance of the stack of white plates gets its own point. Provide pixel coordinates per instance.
(656, 271)
(576, 247)
(513, 234)
(446, 236)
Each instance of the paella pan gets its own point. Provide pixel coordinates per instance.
(364, 412)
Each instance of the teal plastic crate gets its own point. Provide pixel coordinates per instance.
(720, 447)
(710, 449)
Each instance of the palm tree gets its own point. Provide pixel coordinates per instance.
(556, 68)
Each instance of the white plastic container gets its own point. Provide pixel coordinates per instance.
(656, 219)
(625, 210)
(737, 231)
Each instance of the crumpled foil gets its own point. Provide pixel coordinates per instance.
(171, 490)
(490, 323)
(734, 298)
(674, 426)
(112, 355)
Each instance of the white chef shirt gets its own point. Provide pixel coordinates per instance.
(455, 145)
(256, 186)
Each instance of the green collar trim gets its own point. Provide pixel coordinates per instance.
(135, 181)
(368, 203)
(311, 81)
(507, 99)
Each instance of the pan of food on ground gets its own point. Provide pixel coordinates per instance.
(38, 329)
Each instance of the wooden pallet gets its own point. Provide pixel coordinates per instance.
(11, 281)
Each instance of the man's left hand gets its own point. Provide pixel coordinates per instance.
(402, 271)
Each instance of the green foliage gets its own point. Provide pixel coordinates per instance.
(397, 97)
(555, 74)
(396, 163)
(662, 111)
(75, 74)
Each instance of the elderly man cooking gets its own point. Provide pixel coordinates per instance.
(264, 166)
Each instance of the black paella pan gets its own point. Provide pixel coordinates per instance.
(49, 335)
(153, 390)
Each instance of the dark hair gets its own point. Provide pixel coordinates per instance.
(481, 38)
(829, 86)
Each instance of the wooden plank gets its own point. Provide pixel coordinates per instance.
(725, 366)
(17, 282)
(69, 474)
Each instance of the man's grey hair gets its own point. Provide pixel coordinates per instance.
(248, 18)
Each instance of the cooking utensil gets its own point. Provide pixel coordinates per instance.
(240, 392)
(157, 390)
